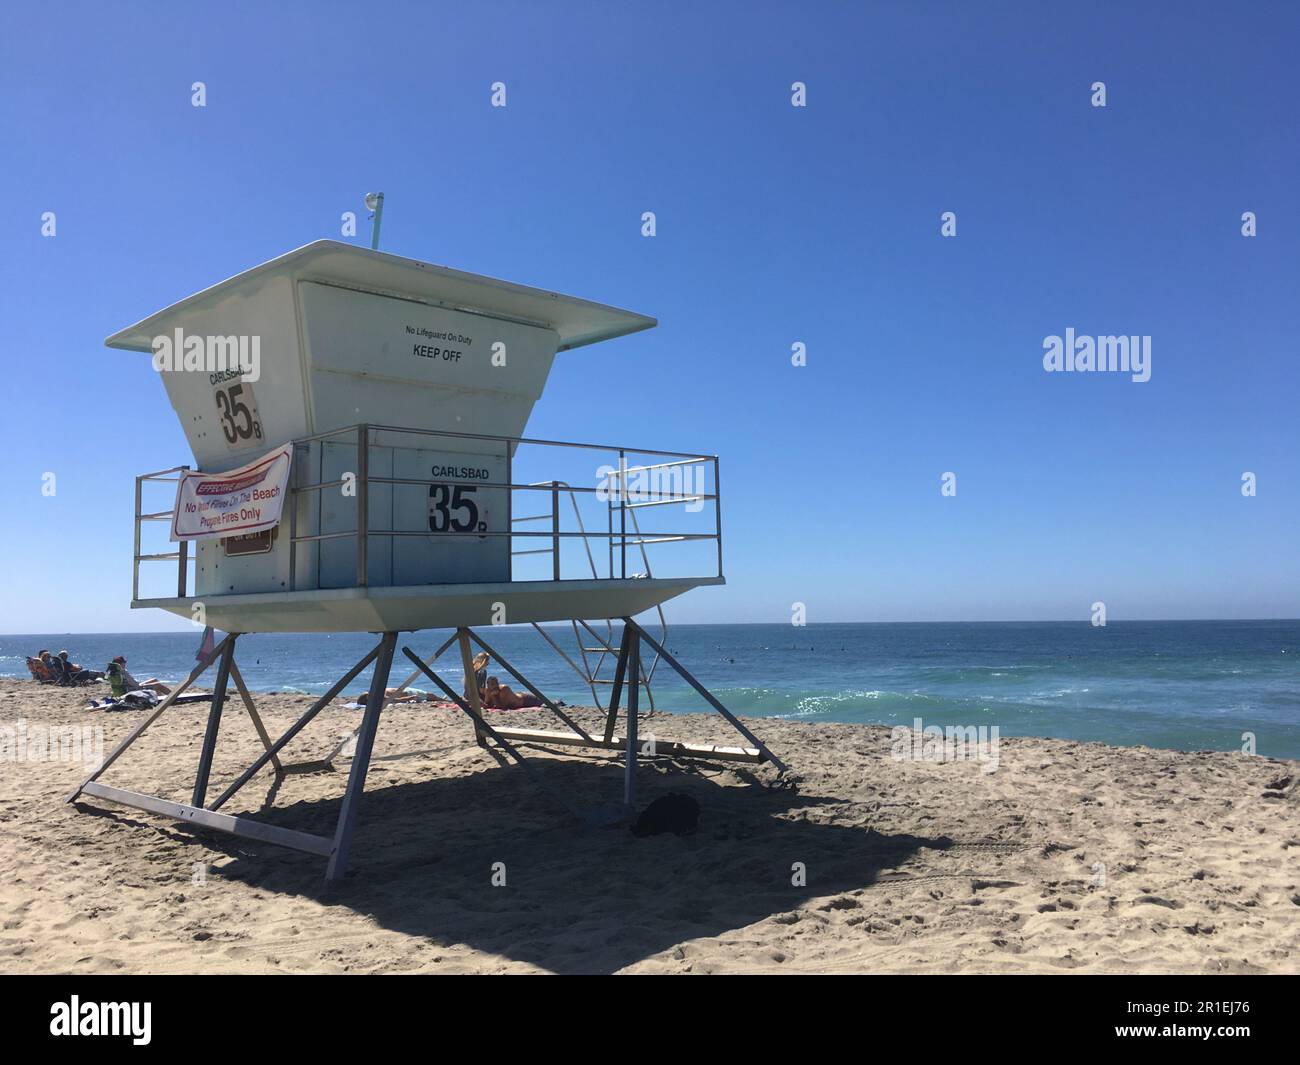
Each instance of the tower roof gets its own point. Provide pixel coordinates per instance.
(576, 321)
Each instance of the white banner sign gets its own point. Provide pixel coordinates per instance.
(211, 506)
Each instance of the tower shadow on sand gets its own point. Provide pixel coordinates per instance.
(577, 899)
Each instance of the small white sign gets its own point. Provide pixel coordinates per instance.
(211, 506)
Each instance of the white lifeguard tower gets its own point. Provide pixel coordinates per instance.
(357, 421)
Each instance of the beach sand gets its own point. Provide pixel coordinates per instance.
(1070, 857)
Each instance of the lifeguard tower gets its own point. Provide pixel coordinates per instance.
(356, 420)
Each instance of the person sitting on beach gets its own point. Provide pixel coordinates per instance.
(479, 666)
(71, 673)
(118, 676)
(59, 668)
(54, 665)
(40, 668)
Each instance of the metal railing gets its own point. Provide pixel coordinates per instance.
(623, 530)
(180, 556)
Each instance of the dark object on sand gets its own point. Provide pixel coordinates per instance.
(143, 699)
(678, 814)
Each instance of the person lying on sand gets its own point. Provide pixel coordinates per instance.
(119, 678)
(492, 695)
(498, 696)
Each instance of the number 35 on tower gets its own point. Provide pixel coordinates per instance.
(452, 508)
(237, 412)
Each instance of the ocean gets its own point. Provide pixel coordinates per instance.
(1186, 685)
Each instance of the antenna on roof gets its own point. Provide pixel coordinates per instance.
(375, 205)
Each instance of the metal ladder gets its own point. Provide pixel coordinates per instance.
(603, 644)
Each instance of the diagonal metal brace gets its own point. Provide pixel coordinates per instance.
(549, 704)
(709, 697)
(486, 729)
(296, 727)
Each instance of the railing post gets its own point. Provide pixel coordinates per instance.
(184, 560)
(135, 559)
(622, 513)
(717, 510)
(510, 514)
(555, 530)
(363, 506)
(292, 501)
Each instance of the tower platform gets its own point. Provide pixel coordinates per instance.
(428, 607)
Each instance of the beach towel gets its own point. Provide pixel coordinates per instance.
(140, 699)
(143, 699)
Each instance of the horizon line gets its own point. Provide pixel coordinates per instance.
(698, 624)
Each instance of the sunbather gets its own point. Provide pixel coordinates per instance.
(40, 669)
(498, 696)
(68, 672)
(119, 677)
(492, 694)
(55, 665)
(480, 665)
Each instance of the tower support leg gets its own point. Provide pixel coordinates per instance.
(616, 692)
(214, 723)
(709, 697)
(338, 862)
(471, 684)
(633, 646)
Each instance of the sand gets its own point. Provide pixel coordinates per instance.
(1070, 857)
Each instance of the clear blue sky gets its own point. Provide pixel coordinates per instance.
(775, 224)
